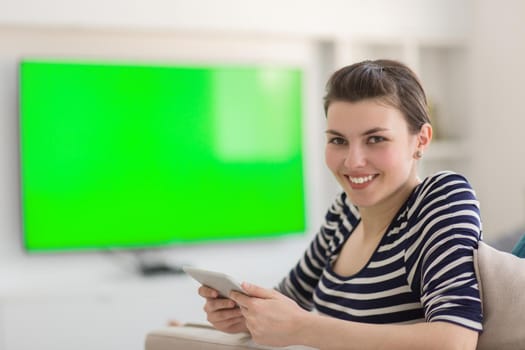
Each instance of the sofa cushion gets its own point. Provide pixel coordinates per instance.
(501, 278)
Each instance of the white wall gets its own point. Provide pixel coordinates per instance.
(328, 18)
(498, 113)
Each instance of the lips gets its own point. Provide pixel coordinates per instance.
(360, 182)
(360, 179)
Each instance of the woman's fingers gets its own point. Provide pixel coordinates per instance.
(228, 320)
(258, 291)
(207, 292)
(224, 315)
(213, 305)
(234, 325)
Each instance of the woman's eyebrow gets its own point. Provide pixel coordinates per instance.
(367, 132)
(374, 130)
(333, 132)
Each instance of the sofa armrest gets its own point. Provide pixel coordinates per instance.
(203, 337)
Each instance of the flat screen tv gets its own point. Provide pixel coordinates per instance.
(136, 155)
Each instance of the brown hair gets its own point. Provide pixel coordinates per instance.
(389, 81)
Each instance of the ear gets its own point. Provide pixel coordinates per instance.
(424, 137)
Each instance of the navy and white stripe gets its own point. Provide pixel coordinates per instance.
(422, 270)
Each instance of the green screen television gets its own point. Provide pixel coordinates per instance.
(138, 155)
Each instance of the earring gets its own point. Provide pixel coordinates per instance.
(418, 154)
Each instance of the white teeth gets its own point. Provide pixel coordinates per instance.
(361, 180)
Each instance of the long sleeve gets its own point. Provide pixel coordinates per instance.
(440, 258)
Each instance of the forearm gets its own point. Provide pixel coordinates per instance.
(331, 334)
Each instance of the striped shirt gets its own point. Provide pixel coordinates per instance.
(422, 270)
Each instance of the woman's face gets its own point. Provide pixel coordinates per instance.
(370, 151)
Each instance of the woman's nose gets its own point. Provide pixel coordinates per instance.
(355, 157)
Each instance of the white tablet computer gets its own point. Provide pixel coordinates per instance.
(221, 282)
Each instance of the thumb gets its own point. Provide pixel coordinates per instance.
(256, 291)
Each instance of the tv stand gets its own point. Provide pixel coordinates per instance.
(159, 268)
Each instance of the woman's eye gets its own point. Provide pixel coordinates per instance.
(337, 141)
(375, 139)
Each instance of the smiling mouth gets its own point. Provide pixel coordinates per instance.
(360, 180)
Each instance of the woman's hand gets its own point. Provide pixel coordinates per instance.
(224, 314)
(272, 318)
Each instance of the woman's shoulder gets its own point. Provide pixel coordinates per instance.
(445, 177)
(444, 209)
(442, 190)
(443, 183)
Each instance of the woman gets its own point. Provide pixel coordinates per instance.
(392, 266)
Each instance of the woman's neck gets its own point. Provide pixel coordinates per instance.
(377, 218)
(376, 224)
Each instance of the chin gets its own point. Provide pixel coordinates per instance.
(359, 201)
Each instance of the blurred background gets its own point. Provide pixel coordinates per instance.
(468, 53)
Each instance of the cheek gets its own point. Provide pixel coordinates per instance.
(330, 158)
(391, 158)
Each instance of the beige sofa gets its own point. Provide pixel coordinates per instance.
(501, 277)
